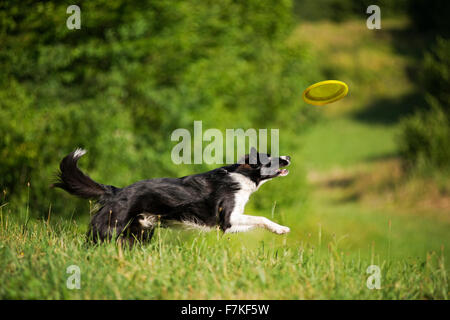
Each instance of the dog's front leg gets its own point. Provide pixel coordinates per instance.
(242, 223)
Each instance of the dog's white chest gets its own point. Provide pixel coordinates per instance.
(247, 187)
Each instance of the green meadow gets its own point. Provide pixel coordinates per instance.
(319, 265)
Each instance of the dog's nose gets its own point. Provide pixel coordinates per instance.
(287, 159)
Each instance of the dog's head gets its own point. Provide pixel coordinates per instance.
(261, 167)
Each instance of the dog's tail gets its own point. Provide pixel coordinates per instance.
(74, 181)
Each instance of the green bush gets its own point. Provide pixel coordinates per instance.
(430, 16)
(425, 139)
(436, 72)
(425, 136)
(341, 10)
(133, 73)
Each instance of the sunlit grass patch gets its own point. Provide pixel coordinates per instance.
(34, 265)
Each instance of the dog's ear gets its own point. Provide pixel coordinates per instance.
(222, 171)
(253, 157)
(243, 159)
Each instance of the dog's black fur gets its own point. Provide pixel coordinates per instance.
(206, 199)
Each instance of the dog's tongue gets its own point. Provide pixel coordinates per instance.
(284, 172)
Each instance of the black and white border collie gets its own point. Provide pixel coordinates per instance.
(215, 198)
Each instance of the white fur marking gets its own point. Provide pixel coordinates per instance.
(241, 197)
(146, 220)
(79, 152)
(189, 225)
(240, 222)
(239, 228)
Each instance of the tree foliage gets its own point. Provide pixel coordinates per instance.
(133, 73)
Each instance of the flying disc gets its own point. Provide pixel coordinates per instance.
(325, 92)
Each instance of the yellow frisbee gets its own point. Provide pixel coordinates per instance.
(325, 92)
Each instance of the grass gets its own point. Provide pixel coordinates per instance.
(34, 261)
(344, 142)
(360, 209)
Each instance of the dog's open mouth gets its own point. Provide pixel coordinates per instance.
(284, 163)
(277, 168)
(283, 172)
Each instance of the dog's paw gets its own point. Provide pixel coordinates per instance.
(282, 230)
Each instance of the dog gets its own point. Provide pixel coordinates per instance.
(216, 198)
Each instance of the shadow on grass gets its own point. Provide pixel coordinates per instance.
(352, 198)
(408, 42)
(339, 183)
(383, 157)
(390, 110)
(343, 184)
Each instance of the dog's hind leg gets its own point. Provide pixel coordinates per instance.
(108, 224)
(131, 237)
(142, 228)
(112, 224)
